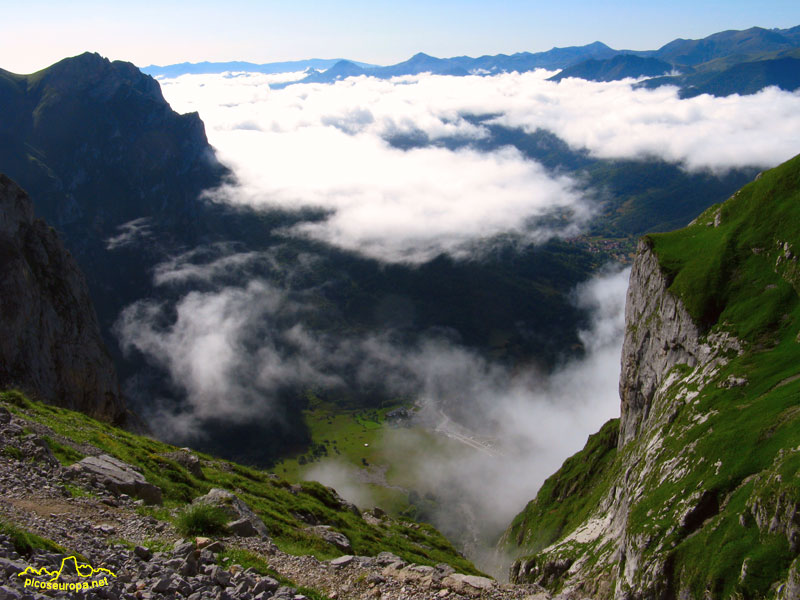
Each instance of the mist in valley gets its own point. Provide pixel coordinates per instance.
(237, 331)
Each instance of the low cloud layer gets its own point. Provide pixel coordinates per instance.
(326, 146)
(233, 348)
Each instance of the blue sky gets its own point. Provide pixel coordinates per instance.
(37, 33)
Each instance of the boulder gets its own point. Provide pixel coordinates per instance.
(471, 585)
(331, 536)
(236, 509)
(120, 477)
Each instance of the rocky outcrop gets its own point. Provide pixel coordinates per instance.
(659, 335)
(667, 361)
(118, 477)
(50, 342)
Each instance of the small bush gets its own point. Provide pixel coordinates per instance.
(26, 542)
(16, 398)
(12, 452)
(202, 519)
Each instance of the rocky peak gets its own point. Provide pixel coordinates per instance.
(50, 341)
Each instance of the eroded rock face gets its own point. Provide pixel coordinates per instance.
(659, 334)
(666, 363)
(50, 342)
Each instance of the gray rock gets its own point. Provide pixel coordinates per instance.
(387, 558)
(332, 537)
(235, 508)
(468, 584)
(342, 560)
(242, 528)
(659, 334)
(120, 477)
(215, 547)
(162, 585)
(142, 552)
(50, 341)
(265, 584)
(182, 548)
(220, 575)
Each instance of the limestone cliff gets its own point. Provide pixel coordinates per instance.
(694, 493)
(50, 341)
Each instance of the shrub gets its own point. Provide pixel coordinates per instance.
(16, 398)
(202, 519)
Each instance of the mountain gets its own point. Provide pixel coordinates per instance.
(221, 67)
(755, 40)
(728, 62)
(721, 78)
(556, 58)
(101, 153)
(340, 70)
(620, 66)
(694, 491)
(121, 177)
(50, 342)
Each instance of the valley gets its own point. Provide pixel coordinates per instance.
(383, 306)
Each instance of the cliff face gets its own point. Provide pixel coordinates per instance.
(694, 492)
(50, 342)
(111, 166)
(660, 334)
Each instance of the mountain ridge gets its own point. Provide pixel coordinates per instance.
(706, 451)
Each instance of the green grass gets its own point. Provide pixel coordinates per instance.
(25, 542)
(65, 454)
(201, 519)
(270, 496)
(12, 452)
(568, 497)
(352, 436)
(732, 273)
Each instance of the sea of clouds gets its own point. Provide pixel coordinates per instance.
(328, 146)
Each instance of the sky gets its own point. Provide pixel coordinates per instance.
(35, 34)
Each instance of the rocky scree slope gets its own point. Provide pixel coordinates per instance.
(50, 342)
(694, 492)
(62, 476)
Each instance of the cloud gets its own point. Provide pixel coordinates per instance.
(228, 351)
(130, 232)
(522, 425)
(326, 146)
(233, 349)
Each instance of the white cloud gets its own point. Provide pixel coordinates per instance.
(326, 146)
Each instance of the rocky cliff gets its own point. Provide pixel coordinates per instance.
(694, 492)
(50, 342)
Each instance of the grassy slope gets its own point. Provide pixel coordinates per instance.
(386, 452)
(739, 444)
(270, 496)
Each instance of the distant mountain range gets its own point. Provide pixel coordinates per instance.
(203, 68)
(724, 63)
